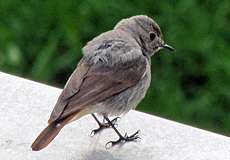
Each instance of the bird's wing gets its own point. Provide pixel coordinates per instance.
(99, 77)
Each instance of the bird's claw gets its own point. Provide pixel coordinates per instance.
(95, 131)
(134, 137)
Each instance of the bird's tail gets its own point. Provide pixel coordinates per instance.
(49, 133)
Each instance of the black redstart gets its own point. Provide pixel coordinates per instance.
(111, 78)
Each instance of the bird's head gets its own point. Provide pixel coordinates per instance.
(147, 33)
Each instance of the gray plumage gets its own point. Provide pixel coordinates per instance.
(116, 67)
(114, 73)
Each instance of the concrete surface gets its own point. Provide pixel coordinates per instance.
(25, 107)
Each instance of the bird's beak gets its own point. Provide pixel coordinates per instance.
(168, 47)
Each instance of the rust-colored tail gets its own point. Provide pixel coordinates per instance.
(49, 133)
(46, 136)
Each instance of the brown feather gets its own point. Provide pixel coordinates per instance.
(94, 81)
(95, 85)
(49, 133)
(71, 88)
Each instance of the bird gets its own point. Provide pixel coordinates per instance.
(111, 78)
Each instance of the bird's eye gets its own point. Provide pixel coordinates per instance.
(152, 36)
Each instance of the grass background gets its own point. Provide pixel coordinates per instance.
(42, 41)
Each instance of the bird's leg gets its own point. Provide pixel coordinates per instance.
(122, 139)
(103, 125)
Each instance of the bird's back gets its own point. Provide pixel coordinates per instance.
(128, 99)
(112, 63)
(105, 40)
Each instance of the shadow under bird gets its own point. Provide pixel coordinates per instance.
(111, 78)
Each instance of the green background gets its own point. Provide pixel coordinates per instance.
(42, 41)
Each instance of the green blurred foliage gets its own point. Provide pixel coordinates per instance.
(42, 40)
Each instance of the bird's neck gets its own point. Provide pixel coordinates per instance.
(129, 31)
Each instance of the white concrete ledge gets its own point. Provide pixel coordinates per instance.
(25, 107)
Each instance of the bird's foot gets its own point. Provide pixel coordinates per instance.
(123, 139)
(105, 125)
